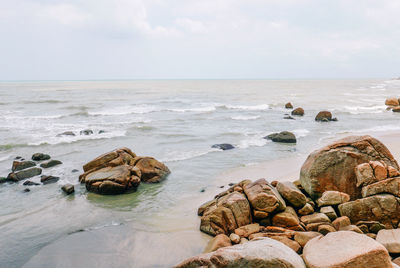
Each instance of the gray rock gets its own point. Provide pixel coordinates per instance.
(50, 163)
(86, 132)
(223, 146)
(66, 133)
(20, 165)
(49, 179)
(30, 183)
(40, 157)
(24, 174)
(284, 136)
(3, 179)
(68, 188)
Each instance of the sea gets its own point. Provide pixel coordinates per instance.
(174, 121)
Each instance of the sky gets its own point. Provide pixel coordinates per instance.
(198, 39)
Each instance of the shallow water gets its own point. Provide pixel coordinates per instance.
(173, 121)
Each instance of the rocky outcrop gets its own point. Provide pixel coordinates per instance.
(120, 171)
(263, 252)
(284, 137)
(333, 167)
(345, 249)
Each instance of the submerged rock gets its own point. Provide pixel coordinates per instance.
(86, 132)
(68, 188)
(223, 146)
(298, 111)
(49, 179)
(66, 133)
(50, 163)
(324, 115)
(20, 165)
(288, 105)
(284, 136)
(30, 183)
(24, 174)
(392, 102)
(3, 179)
(40, 157)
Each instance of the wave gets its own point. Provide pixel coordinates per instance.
(260, 107)
(125, 110)
(181, 155)
(199, 109)
(9, 146)
(245, 118)
(301, 132)
(253, 141)
(365, 109)
(44, 101)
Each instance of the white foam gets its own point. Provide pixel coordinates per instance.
(174, 156)
(366, 109)
(253, 141)
(260, 107)
(245, 117)
(301, 132)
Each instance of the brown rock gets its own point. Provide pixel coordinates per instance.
(288, 242)
(303, 237)
(396, 109)
(152, 170)
(217, 242)
(315, 218)
(329, 211)
(288, 105)
(291, 194)
(342, 249)
(380, 170)
(390, 239)
(391, 186)
(324, 116)
(287, 218)
(313, 227)
(206, 206)
(298, 111)
(341, 222)
(352, 228)
(234, 238)
(247, 230)
(325, 229)
(392, 102)
(243, 240)
(392, 172)
(371, 235)
(383, 208)
(373, 226)
(331, 198)
(263, 197)
(365, 174)
(332, 167)
(306, 210)
(20, 165)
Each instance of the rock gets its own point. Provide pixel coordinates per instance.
(341, 222)
(315, 218)
(390, 186)
(331, 198)
(373, 226)
(30, 183)
(298, 111)
(263, 252)
(40, 157)
(373, 236)
(24, 174)
(18, 157)
(287, 218)
(223, 146)
(217, 242)
(330, 212)
(243, 240)
(234, 238)
(101, 131)
(333, 167)
(303, 237)
(86, 132)
(291, 194)
(396, 261)
(113, 180)
(152, 170)
(284, 137)
(396, 109)
(3, 179)
(364, 174)
(20, 165)
(288, 105)
(50, 163)
(325, 229)
(226, 214)
(289, 117)
(306, 210)
(205, 206)
(49, 179)
(263, 198)
(74, 170)
(247, 230)
(66, 133)
(352, 228)
(288, 242)
(324, 115)
(68, 188)
(392, 102)
(390, 239)
(342, 249)
(380, 170)
(26, 190)
(392, 172)
(383, 208)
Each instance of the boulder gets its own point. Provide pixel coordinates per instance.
(68, 188)
(288, 242)
(49, 179)
(263, 198)
(315, 218)
(262, 252)
(298, 111)
(24, 174)
(247, 230)
(50, 163)
(390, 186)
(303, 237)
(343, 249)
(392, 172)
(380, 170)
(331, 198)
(113, 180)
(352, 228)
(390, 239)
(40, 157)
(223, 146)
(3, 179)
(392, 102)
(288, 105)
(341, 222)
(324, 115)
(306, 210)
(329, 211)
(226, 214)
(373, 226)
(333, 167)
(284, 137)
(383, 208)
(325, 229)
(291, 194)
(235, 239)
(287, 218)
(219, 241)
(20, 165)
(364, 174)
(152, 170)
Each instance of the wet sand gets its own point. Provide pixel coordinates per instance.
(168, 240)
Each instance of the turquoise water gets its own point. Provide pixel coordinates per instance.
(174, 121)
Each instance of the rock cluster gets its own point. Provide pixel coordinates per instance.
(346, 197)
(121, 170)
(393, 104)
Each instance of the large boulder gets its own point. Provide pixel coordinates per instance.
(264, 198)
(390, 239)
(345, 249)
(20, 165)
(261, 252)
(292, 194)
(225, 214)
(152, 170)
(284, 136)
(24, 174)
(333, 166)
(383, 208)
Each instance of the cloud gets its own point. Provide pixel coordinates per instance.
(193, 26)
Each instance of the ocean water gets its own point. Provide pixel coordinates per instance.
(175, 121)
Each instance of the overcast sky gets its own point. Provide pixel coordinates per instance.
(146, 39)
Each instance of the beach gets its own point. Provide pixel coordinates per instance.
(176, 122)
